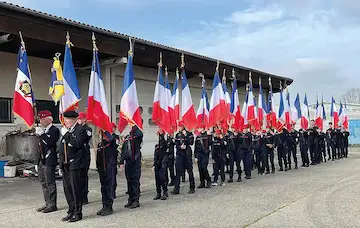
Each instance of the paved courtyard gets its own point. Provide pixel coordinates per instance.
(326, 195)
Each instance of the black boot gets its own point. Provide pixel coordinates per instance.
(67, 218)
(202, 185)
(108, 210)
(165, 196)
(296, 166)
(191, 191)
(75, 218)
(102, 209)
(158, 196)
(134, 205)
(175, 192)
(230, 180)
(208, 184)
(171, 183)
(239, 179)
(128, 204)
(273, 171)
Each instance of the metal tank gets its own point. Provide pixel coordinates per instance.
(23, 146)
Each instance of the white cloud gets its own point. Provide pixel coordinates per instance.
(317, 47)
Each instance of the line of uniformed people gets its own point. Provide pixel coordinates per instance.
(232, 148)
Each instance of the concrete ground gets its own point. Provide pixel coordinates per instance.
(325, 195)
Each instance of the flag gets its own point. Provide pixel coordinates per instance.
(250, 105)
(235, 107)
(305, 115)
(334, 113)
(174, 107)
(262, 110)
(271, 116)
(71, 97)
(282, 116)
(129, 104)
(256, 122)
(217, 101)
(319, 121)
(296, 110)
(243, 118)
(227, 98)
(56, 89)
(203, 110)
(170, 113)
(160, 114)
(187, 108)
(323, 109)
(97, 108)
(23, 103)
(345, 121)
(287, 111)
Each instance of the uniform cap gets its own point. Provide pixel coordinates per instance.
(82, 115)
(44, 114)
(71, 114)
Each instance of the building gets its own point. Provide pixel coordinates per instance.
(44, 35)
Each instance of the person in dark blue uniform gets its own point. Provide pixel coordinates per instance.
(202, 151)
(303, 142)
(219, 156)
(117, 141)
(171, 159)
(292, 146)
(106, 165)
(282, 148)
(82, 121)
(322, 147)
(49, 135)
(183, 140)
(160, 166)
(313, 136)
(131, 156)
(232, 139)
(269, 150)
(258, 145)
(74, 163)
(339, 143)
(245, 144)
(331, 142)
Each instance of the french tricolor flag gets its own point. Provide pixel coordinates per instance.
(319, 121)
(71, 97)
(296, 110)
(97, 109)
(344, 117)
(282, 116)
(202, 115)
(187, 108)
(287, 111)
(227, 98)
(262, 110)
(217, 101)
(334, 113)
(305, 115)
(271, 116)
(174, 106)
(235, 107)
(23, 95)
(129, 105)
(256, 122)
(243, 119)
(250, 105)
(160, 114)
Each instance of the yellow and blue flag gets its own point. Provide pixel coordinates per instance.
(56, 89)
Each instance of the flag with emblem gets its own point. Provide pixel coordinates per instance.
(23, 103)
(97, 108)
(56, 89)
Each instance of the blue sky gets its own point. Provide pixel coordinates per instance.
(315, 42)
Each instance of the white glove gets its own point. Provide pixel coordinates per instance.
(64, 130)
(39, 131)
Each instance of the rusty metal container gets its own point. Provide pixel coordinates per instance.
(23, 146)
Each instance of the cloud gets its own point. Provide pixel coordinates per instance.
(316, 44)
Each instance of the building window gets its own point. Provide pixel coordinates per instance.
(150, 110)
(5, 110)
(151, 123)
(50, 106)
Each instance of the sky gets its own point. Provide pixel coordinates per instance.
(314, 42)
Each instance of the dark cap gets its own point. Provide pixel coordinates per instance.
(71, 114)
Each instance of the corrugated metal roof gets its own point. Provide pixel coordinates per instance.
(125, 36)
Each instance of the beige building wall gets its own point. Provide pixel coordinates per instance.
(113, 81)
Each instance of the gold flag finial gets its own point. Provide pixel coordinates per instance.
(270, 81)
(94, 42)
(68, 42)
(21, 40)
(217, 65)
(177, 73)
(166, 71)
(160, 64)
(224, 76)
(259, 80)
(57, 56)
(280, 85)
(182, 60)
(247, 86)
(202, 76)
(131, 48)
(233, 73)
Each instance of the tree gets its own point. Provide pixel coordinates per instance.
(352, 96)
